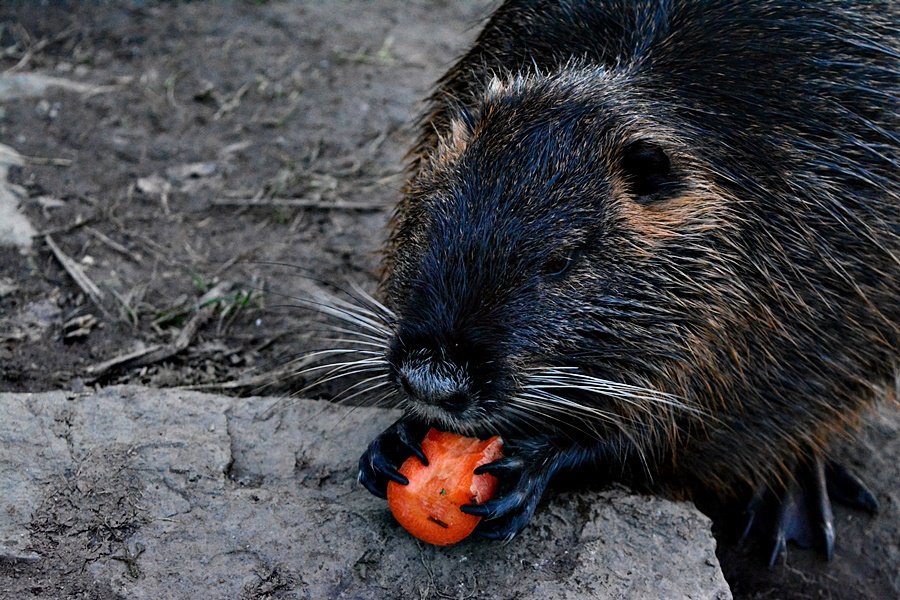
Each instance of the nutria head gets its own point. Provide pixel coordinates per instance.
(556, 261)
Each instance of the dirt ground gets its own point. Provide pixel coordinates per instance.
(221, 160)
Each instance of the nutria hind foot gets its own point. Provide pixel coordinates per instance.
(801, 512)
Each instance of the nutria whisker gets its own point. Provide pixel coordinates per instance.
(341, 364)
(563, 378)
(639, 401)
(363, 315)
(541, 407)
(564, 405)
(588, 382)
(555, 375)
(538, 406)
(382, 374)
(365, 336)
(338, 370)
(347, 312)
(340, 373)
(340, 398)
(330, 351)
(515, 418)
(367, 297)
(624, 422)
(311, 361)
(352, 341)
(368, 326)
(324, 380)
(355, 319)
(549, 402)
(365, 303)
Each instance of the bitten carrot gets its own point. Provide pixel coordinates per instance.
(428, 508)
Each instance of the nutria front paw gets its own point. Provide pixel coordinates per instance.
(382, 459)
(507, 515)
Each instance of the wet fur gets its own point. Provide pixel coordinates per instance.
(759, 285)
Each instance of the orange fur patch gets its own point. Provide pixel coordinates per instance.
(688, 213)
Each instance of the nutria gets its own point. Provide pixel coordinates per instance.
(658, 239)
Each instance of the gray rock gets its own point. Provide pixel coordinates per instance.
(141, 493)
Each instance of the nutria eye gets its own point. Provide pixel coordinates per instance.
(559, 262)
(647, 170)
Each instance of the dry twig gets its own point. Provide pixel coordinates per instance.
(103, 239)
(78, 275)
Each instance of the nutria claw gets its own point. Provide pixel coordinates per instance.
(502, 467)
(504, 517)
(803, 512)
(380, 462)
(847, 489)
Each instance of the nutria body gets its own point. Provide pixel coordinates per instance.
(658, 237)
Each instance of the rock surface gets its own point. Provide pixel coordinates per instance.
(142, 493)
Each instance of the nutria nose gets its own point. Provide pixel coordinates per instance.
(434, 383)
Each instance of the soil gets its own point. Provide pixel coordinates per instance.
(234, 156)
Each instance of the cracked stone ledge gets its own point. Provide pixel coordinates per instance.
(171, 494)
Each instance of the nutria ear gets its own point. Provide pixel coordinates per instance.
(647, 170)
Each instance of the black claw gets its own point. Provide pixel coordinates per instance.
(792, 522)
(382, 466)
(847, 489)
(754, 507)
(524, 474)
(507, 515)
(369, 476)
(418, 453)
(518, 499)
(823, 507)
(380, 462)
(493, 509)
(778, 549)
(371, 485)
(502, 467)
(394, 475)
(504, 532)
(476, 510)
(413, 444)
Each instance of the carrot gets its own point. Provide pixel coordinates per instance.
(428, 508)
